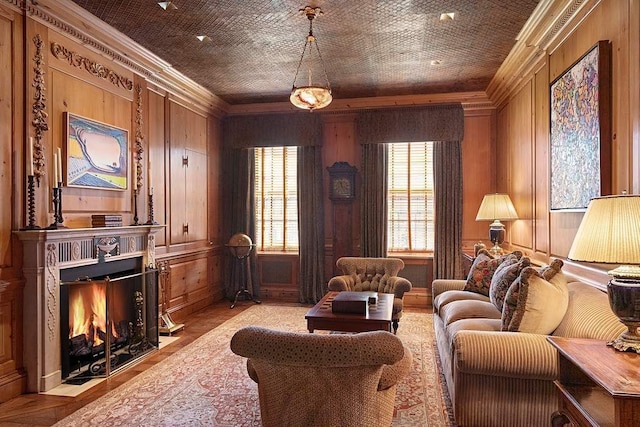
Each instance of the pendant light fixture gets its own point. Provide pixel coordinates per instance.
(311, 96)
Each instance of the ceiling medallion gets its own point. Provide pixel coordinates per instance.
(311, 96)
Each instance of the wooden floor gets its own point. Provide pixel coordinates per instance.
(45, 410)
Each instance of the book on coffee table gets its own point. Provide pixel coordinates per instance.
(353, 302)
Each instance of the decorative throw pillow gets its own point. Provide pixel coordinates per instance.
(533, 304)
(483, 268)
(505, 275)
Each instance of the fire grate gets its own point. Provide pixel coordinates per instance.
(107, 324)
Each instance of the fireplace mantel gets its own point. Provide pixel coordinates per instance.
(45, 253)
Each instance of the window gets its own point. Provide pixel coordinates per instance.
(276, 199)
(410, 219)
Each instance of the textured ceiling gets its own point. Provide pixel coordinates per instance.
(369, 47)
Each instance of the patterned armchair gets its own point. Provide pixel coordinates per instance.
(324, 379)
(373, 275)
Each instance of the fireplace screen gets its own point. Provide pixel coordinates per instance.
(112, 320)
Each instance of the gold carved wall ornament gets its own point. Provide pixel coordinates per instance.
(40, 116)
(92, 67)
(139, 139)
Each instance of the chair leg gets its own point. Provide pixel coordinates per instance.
(395, 326)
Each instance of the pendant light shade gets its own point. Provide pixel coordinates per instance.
(311, 95)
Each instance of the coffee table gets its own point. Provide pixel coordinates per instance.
(377, 317)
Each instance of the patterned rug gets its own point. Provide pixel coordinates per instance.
(205, 384)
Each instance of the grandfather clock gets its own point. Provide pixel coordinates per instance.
(342, 192)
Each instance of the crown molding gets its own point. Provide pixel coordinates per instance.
(469, 100)
(547, 27)
(71, 20)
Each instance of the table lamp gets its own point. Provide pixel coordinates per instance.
(496, 207)
(610, 234)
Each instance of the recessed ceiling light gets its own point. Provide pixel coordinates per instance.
(167, 5)
(436, 62)
(450, 16)
(204, 38)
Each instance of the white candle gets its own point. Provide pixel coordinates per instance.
(149, 178)
(55, 169)
(31, 155)
(59, 166)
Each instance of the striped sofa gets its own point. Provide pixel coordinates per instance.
(500, 378)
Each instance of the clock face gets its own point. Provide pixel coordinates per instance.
(341, 188)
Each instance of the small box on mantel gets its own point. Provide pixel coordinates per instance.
(112, 220)
(353, 302)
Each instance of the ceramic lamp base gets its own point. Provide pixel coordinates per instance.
(624, 300)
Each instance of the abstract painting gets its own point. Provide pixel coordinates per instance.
(580, 140)
(96, 154)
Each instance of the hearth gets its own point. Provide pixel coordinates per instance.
(53, 261)
(109, 318)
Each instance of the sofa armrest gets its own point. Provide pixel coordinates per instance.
(399, 285)
(439, 286)
(392, 374)
(341, 283)
(506, 354)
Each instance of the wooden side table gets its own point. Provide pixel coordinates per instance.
(597, 385)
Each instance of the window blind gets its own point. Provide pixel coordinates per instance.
(276, 198)
(410, 224)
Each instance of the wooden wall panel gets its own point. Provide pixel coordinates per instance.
(69, 94)
(541, 162)
(608, 21)
(7, 141)
(478, 160)
(616, 21)
(13, 161)
(520, 166)
(155, 156)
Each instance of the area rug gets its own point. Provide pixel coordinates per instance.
(205, 384)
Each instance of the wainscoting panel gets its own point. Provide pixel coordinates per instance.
(278, 275)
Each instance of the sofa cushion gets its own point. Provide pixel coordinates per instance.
(448, 296)
(483, 268)
(505, 275)
(533, 304)
(468, 309)
(480, 324)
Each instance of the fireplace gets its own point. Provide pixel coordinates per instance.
(111, 317)
(120, 261)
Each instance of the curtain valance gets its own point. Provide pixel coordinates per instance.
(269, 130)
(411, 124)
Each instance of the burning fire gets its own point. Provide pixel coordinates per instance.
(89, 322)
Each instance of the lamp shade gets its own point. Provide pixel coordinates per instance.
(496, 206)
(609, 231)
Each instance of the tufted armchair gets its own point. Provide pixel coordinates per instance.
(373, 275)
(323, 379)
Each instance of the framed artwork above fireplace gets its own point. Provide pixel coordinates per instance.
(96, 154)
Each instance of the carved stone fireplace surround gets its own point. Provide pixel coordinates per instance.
(45, 253)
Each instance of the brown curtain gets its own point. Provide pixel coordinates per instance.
(411, 124)
(373, 217)
(311, 224)
(443, 124)
(447, 258)
(239, 217)
(273, 130)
